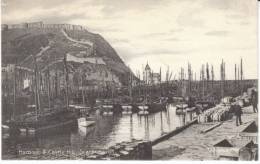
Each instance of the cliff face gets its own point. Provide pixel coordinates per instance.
(49, 45)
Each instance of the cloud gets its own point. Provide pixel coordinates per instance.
(160, 52)
(242, 7)
(236, 16)
(156, 34)
(244, 23)
(190, 18)
(115, 40)
(176, 30)
(217, 33)
(220, 4)
(112, 6)
(101, 30)
(174, 39)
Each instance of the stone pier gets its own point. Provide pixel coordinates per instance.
(191, 144)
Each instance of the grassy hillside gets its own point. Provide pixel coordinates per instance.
(50, 45)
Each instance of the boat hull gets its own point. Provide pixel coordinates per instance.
(153, 107)
(56, 123)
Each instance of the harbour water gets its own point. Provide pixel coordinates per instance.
(107, 131)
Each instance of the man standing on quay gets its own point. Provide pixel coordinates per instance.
(238, 112)
(254, 98)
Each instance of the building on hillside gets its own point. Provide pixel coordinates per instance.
(4, 27)
(156, 77)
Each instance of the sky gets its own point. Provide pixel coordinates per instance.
(161, 32)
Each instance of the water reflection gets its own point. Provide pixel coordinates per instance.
(113, 129)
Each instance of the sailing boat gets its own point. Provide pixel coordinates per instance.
(128, 107)
(111, 106)
(150, 105)
(45, 121)
(143, 106)
(182, 107)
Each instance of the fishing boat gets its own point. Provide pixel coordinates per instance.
(127, 109)
(83, 110)
(204, 105)
(181, 108)
(191, 109)
(107, 110)
(143, 109)
(158, 105)
(49, 122)
(5, 131)
(43, 121)
(85, 125)
(127, 105)
(153, 107)
(110, 107)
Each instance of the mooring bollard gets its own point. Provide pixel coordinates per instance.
(130, 151)
(147, 150)
(124, 155)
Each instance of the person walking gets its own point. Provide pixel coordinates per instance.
(254, 98)
(238, 112)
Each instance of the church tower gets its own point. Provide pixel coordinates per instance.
(147, 74)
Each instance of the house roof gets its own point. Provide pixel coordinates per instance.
(233, 143)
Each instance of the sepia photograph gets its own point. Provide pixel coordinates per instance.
(154, 80)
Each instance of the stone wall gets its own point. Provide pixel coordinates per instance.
(134, 150)
(43, 26)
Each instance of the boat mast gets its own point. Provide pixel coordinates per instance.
(145, 87)
(222, 71)
(14, 107)
(82, 91)
(235, 75)
(56, 79)
(160, 82)
(37, 97)
(49, 87)
(66, 81)
(130, 86)
(139, 83)
(112, 87)
(241, 75)
(203, 82)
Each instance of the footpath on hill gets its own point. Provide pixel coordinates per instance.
(191, 144)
